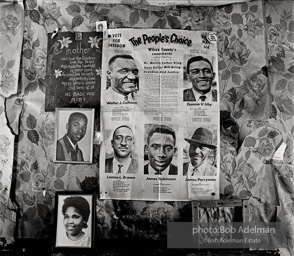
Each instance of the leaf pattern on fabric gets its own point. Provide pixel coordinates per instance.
(60, 171)
(240, 30)
(73, 9)
(31, 122)
(33, 136)
(29, 200)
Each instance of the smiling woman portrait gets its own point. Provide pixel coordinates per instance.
(74, 222)
(76, 211)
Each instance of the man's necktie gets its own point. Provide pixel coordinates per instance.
(126, 98)
(202, 97)
(194, 171)
(119, 168)
(74, 156)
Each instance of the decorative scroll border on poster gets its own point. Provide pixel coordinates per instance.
(155, 131)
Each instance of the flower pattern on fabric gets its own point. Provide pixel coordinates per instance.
(90, 184)
(253, 25)
(196, 17)
(222, 18)
(26, 152)
(9, 25)
(246, 177)
(4, 144)
(259, 141)
(28, 30)
(47, 131)
(39, 62)
(38, 182)
(255, 88)
(240, 30)
(238, 51)
(265, 148)
(7, 80)
(50, 11)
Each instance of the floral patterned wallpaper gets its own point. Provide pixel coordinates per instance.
(255, 73)
(7, 213)
(280, 38)
(11, 20)
(11, 29)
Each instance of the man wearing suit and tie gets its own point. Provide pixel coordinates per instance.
(122, 143)
(200, 74)
(199, 151)
(160, 147)
(67, 147)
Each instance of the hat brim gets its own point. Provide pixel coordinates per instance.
(201, 143)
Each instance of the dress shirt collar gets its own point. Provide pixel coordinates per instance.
(153, 171)
(197, 95)
(200, 169)
(125, 165)
(115, 96)
(74, 147)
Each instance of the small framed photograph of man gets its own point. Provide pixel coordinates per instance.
(74, 132)
(74, 220)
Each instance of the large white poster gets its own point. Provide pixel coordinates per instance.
(160, 115)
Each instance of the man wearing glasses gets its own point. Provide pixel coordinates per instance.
(200, 74)
(122, 161)
(123, 75)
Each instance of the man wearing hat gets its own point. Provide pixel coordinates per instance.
(199, 150)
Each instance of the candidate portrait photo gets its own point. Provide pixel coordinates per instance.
(122, 79)
(199, 79)
(160, 150)
(74, 132)
(200, 152)
(74, 220)
(121, 157)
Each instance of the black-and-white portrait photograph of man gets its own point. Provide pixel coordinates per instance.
(160, 148)
(200, 74)
(123, 75)
(201, 152)
(74, 133)
(122, 161)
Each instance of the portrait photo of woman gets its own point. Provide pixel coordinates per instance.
(74, 221)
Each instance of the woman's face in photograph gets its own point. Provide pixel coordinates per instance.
(73, 221)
